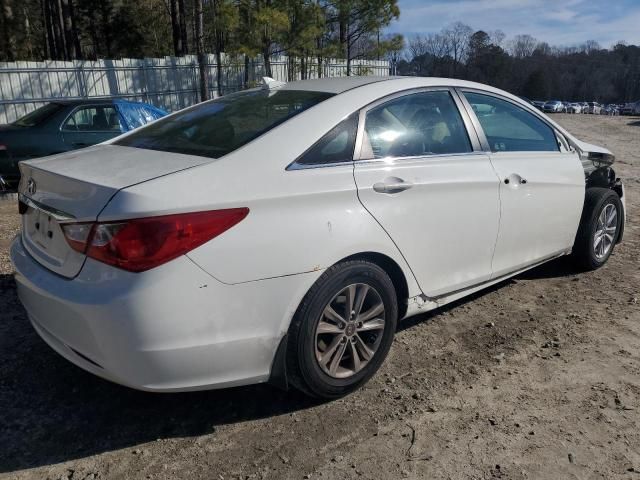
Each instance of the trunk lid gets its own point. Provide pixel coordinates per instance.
(75, 187)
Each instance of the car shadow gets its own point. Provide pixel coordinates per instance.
(52, 411)
(635, 123)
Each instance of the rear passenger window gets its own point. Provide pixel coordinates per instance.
(426, 123)
(335, 147)
(510, 128)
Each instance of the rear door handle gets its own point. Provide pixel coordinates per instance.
(515, 179)
(392, 185)
(80, 144)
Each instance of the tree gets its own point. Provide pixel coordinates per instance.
(223, 20)
(8, 27)
(267, 23)
(523, 46)
(358, 21)
(299, 39)
(486, 62)
(70, 33)
(457, 41)
(202, 64)
(182, 20)
(392, 47)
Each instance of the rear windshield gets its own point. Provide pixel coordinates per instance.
(221, 126)
(39, 115)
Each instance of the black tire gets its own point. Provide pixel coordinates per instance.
(303, 369)
(595, 201)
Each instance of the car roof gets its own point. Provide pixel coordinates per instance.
(338, 85)
(335, 84)
(84, 101)
(95, 101)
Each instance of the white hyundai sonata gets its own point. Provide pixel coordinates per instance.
(279, 234)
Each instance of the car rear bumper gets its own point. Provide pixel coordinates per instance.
(172, 328)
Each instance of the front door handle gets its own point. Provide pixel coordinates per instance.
(80, 144)
(392, 185)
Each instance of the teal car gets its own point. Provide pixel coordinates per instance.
(67, 125)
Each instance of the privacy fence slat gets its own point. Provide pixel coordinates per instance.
(171, 82)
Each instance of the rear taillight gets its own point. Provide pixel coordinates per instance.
(140, 244)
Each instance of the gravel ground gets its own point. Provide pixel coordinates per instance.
(538, 377)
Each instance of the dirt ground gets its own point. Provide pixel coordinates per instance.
(537, 378)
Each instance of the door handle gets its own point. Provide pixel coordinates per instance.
(80, 144)
(392, 185)
(516, 179)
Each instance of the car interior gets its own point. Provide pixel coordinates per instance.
(94, 119)
(416, 125)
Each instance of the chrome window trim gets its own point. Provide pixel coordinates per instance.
(471, 130)
(471, 133)
(304, 166)
(524, 106)
(435, 156)
(297, 165)
(90, 105)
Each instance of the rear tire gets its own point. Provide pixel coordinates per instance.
(342, 330)
(599, 228)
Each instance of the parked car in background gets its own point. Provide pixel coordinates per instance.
(585, 107)
(391, 197)
(594, 108)
(631, 108)
(575, 108)
(553, 106)
(539, 104)
(611, 110)
(61, 126)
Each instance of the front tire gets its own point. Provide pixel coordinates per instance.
(599, 228)
(343, 330)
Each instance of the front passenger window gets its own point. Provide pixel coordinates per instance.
(426, 123)
(510, 128)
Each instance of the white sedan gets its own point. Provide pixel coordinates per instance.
(279, 234)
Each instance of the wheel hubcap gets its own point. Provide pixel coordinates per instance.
(605, 231)
(350, 330)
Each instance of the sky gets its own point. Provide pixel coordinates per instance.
(557, 22)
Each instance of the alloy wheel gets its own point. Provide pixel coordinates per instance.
(605, 233)
(350, 330)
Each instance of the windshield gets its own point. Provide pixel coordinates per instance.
(39, 115)
(213, 129)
